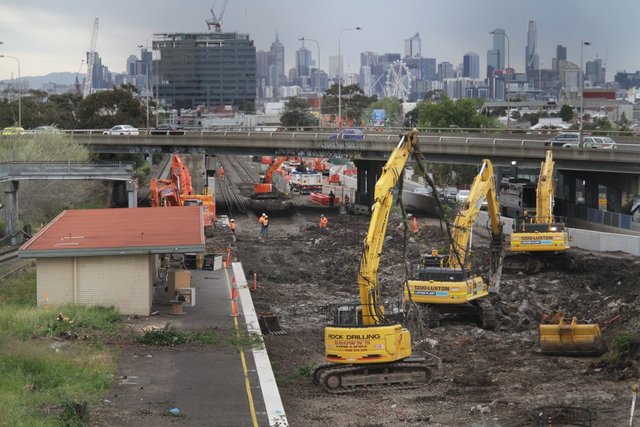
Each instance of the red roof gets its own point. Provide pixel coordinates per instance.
(90, 232)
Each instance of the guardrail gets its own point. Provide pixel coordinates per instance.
(15, 170)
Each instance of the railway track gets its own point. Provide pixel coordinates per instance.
(236, 175)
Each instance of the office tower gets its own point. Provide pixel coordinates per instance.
(428, 69)
(210, 69)
(445, 71)
(303, 61)
(595, 72)
(493, 62)
(131, 65)
(532, 61)
(412, 47)
(276, 64)
(499, 41)
(561, 55)
(334, 66)
(471, 65)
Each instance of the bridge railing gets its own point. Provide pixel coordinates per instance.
(18, 169)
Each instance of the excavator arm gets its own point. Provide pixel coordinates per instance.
(483, 187)
(543, 233)
(544, 191)
(372, 311)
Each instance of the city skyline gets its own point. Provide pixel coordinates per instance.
(54, 36)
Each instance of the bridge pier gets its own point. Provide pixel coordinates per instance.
(132, 193)
(10, 189)
(592, 193)
(368, 173)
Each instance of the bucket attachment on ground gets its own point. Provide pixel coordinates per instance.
(269, 323)
(565, 337)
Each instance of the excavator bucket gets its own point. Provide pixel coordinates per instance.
(568, 338)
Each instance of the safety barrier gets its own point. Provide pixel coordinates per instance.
(323, 199)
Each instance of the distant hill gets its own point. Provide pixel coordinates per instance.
(36, 82)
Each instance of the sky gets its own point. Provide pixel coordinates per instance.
(53, 36)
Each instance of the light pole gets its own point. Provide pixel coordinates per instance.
(506, 87)
(340, 74)
(19, 89)
(582, 45)
(302, 39)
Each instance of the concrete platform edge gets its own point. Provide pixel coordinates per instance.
(268, 385)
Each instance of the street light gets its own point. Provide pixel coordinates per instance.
(582, 45)
(302, 39)
(19, 89)
(506, 87)
(340, 74)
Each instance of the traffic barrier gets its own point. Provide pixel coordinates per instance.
(414, 224)
(323, 199)
(228, 261)
(234, 308)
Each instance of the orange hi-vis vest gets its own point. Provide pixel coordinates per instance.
(324, 222)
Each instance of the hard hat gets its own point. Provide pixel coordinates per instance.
(232, 220)
(264, 214)
(321, 215)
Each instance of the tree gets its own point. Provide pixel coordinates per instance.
(392, 111)
(297, 114)
(446, 113)
(109, 108)
(566, 113)
(354, 102)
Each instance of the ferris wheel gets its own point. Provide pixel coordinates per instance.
(399, 80)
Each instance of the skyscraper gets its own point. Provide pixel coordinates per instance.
(561, 55)
(471, 65)
(412, 47)
(276, 64)
(303, 61)
(445, 71)
(499, 38)
(493, 62)
(532, 61)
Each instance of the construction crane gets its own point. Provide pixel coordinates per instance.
(91, 56)
(216, 20)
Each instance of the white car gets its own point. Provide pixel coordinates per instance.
(462, 195)
(122, 130)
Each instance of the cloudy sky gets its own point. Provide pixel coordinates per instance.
(51, 36)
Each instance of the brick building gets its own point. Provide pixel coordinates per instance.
(110, 257)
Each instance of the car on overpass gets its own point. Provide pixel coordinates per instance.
(603, 142)
(352, 134)
(564, 139)
(167, 129)
(122, 130)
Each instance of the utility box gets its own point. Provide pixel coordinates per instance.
(178, 279)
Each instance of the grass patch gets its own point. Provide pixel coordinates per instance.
(300, 373)
(41, 385)
(46, 380)
(169, 336)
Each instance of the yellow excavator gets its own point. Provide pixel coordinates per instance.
(446, 284)
(543, 233)
(365, 347)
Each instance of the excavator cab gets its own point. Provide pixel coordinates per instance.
(562, 336)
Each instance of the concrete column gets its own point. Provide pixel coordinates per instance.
(569, 188)
(132, 193)
(361, 180)
(10, 189)
(591, 194)
(614, 200)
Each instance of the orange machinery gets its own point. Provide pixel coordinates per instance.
(177, 190)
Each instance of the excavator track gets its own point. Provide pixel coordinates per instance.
(341, 379)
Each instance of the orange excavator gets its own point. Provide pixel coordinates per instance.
(177, 190)
(264, 189)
